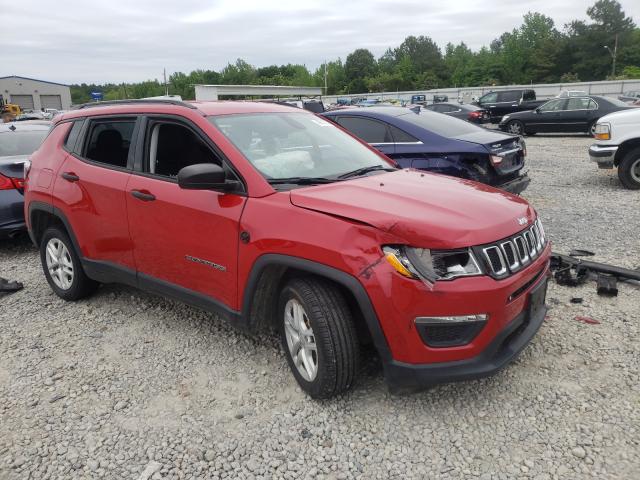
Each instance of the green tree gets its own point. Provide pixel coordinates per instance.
(359, 65)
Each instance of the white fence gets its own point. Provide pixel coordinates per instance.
(467, 94)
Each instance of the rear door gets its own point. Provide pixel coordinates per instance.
(90, 188)
(375, 132)
(576, 116)
(184, 240)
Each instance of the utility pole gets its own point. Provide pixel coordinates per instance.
(166, 88)
(325, 77)
(613, 54)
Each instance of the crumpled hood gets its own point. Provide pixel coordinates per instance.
(424, 209)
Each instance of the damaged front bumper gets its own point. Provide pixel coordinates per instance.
(603, 155)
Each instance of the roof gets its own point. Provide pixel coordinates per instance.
(34, 80)
(373, 111)
(227, 107)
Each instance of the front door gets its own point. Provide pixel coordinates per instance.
(183, 238)
(548, 117)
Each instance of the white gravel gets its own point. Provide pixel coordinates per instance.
(127, 385)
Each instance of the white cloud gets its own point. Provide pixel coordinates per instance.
(75, 41)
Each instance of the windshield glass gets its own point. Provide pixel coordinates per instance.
(285, 145)
(442, 125)
(20, 143)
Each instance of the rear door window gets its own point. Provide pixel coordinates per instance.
(400, 136)
(578, 104)
(109, 141)
(371, 131)
(509, 96)
(490, 98)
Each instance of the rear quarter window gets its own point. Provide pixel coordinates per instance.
(72, 137)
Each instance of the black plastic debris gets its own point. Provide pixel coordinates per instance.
(9, 287)
(607, 285)
(581, 253)
(571, 271)
(576, 300)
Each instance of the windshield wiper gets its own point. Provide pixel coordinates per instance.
(300, 180)
(362, 171)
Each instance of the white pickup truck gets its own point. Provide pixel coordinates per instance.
(618, 145)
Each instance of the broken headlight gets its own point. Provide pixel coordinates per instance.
(431, 265)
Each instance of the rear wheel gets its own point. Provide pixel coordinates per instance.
(629, 170)
(318, 336)
(592, 128)
(516, 127)
(62, 266)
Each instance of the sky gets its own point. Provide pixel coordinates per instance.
(74, 41)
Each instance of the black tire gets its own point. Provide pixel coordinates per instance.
(334, 333)
(515, 127)
(81, 286)
(591, 129)
(629, 170)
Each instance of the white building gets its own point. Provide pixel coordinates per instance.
(32, 94)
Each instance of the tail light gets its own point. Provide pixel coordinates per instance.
(475, 114)
(9, 183)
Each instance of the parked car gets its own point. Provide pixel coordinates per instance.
(562, 115)
(437, 143)
(630, 97)
(618, 145)
(470, 113)
(276, 218)
(368, 102)
(17, 142)
(504, 102)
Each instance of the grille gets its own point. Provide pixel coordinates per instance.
(512, 254)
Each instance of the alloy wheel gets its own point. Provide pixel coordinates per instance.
(635, 170)
(59, 264)
(515, 128)
(300, 339)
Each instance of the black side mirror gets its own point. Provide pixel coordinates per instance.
(205, 176)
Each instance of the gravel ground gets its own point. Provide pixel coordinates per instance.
(128, 385)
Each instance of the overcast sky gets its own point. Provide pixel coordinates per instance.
(75, 41)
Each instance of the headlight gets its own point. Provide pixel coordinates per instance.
(505, 118)
(431, 265)
(603, 131)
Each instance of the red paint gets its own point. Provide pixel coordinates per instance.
(587, 320)
(342, 225)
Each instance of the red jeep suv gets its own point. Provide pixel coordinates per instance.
(277, 219)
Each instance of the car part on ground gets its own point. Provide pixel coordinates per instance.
(432, 142)
(571, 271)
(7, 286)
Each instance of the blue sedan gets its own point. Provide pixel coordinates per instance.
(18, 140)
(439, 143)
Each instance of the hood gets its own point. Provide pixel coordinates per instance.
(425, 209)
(628, 115)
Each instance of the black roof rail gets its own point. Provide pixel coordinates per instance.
(167, 101)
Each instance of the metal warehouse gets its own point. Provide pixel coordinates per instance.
(32, 94)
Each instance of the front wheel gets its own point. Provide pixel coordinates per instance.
(516, 127)
(319, 337)
(629, 170)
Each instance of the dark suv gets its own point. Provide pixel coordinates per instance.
(503, 102)
(275, 218)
